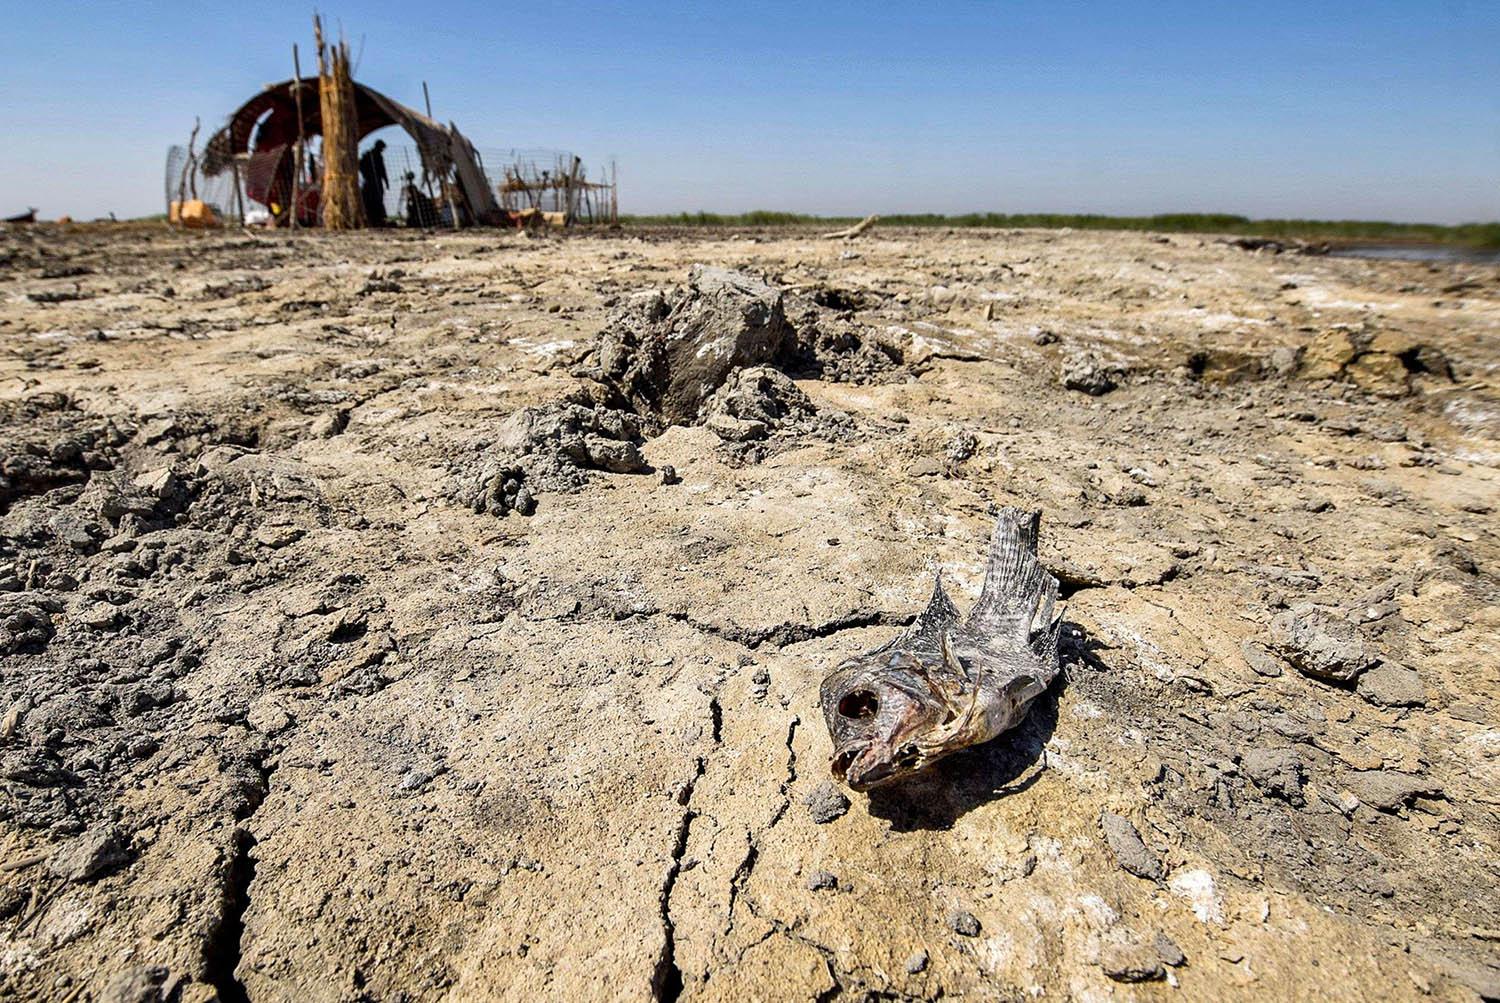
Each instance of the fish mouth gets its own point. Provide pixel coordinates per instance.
(861, 768)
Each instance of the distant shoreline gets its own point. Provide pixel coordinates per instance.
(1339, 233)
(1349, 238)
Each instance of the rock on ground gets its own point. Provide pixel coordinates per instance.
(1320, 643)
(1125, 842)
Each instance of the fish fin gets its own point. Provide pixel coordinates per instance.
(1046, 622)
(927, 631)
(1016, 586)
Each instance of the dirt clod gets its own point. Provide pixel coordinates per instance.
(1320, 643)
(1131, 853)
(826, 803)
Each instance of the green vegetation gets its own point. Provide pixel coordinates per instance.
(1468, 234)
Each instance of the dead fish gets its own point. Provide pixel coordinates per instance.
(944, 686)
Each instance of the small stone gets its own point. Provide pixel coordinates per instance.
(160, 483)
(963, 923)
(156, 651)
(617, 456)
(1387, 790)
(732, 429)
(1085, 373)
(1130, 851)
(1391, 684)
(924, 466)
(1283, 359)
(821, 881)
(825, 803)
(142, 984)
(1260, 660)
(917, 963)
(276, 537)
(330, 423)
(1168, 951)
(97, 852)
(668, 474)
(1319, 644)
(1131, 963)
(1277, 772)
(100, 617)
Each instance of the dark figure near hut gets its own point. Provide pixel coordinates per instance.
(420, 212)
(373, 182)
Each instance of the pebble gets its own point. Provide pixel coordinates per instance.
(819, 881)
(1131, 963)
(826, 803)
(1087, 374)
(1168, 951)
(1387, 790)
(1391, 684)
(1130, 851)
(917, 962)
(1319, 643)
(963, 923)
(97, 852)
(100, 617)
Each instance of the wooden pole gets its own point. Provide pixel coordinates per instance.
(188, 166)
(239, 192)
(445, 185)
(421, 148)
(297, 154)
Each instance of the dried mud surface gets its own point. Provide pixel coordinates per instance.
(296, 704)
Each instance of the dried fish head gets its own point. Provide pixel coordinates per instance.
(880, 709)
(943, 685)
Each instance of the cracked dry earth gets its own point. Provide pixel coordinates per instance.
(286, 718)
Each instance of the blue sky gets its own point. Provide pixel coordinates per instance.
(1328, 110)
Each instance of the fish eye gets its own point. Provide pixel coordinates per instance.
(859, 704)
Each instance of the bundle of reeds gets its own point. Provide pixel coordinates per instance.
(341, 206)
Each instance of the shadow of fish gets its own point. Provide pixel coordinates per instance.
(944, 686)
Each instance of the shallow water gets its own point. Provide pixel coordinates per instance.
(1417, 252)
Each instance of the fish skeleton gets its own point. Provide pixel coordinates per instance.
(944, 685)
